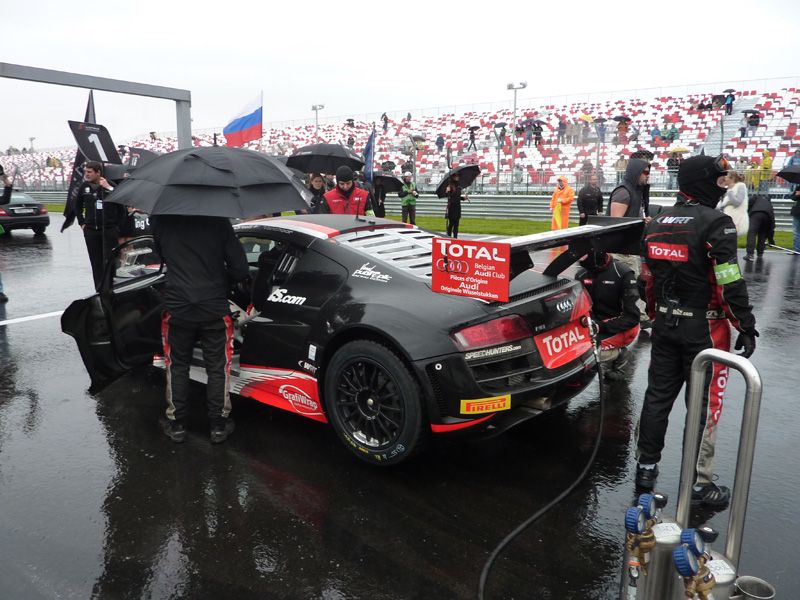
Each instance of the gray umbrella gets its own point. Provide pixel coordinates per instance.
(213, 181)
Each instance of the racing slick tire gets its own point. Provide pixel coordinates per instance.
(373, 403)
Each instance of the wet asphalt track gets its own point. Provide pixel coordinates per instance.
(95, 502)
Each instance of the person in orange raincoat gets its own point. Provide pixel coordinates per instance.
(560, 203)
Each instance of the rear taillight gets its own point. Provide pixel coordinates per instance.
(3, 213)
(583, 304)
(494, 332)
(43, 210)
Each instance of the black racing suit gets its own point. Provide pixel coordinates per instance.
(694, 288)
(101, 222)
(614, 293)
(203, 258)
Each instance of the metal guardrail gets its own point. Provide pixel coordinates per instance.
(489, 206)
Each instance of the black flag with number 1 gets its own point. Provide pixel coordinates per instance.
(77, 171)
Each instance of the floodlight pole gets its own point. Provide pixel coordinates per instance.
(513, 86)
(316, 108)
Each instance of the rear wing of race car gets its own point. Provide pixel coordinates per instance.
(608, 234)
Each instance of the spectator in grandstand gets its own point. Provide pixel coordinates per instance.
(385, 120)
(528, 134)
(585, 132)
(408, 116)
(762, 226)
(601, 132)
(408, 199)
(765, 177)
(590, 200)
(537, 134)
(751, 175)
(620, 166)
(753, 122)
(655, 134)
(735, 203)
(743, 127)
(634, 133)
(729, 100)
(673, 164)
(793, 160)
(346, 198)
(672, 133)
(741, 165)
(472, 145)
(612, 286)
(316, 185)
(562, 130)
(572, 130)
(440, 143)
(351, 142)
(560, 203)
(452, 213)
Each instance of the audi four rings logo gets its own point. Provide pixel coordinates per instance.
(450, 265)
(564, 306)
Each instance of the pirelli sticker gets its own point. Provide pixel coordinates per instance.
(478, 406)
(727, 273)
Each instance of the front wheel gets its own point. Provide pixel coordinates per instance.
(373, 403)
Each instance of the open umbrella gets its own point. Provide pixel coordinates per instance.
(467, 173)
(212, 181)
(140, 156)
(389, 182)
(585, 117)
(600, 120)
(297, 172)
(388, 166)
(474, 127)
(679, 149)
(324, 158)
(791, 174)
(750, 111)
(622, 118)
(728, 91)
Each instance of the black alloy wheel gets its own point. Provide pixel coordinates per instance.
(373, 403)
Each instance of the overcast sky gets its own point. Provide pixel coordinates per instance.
(359, 58)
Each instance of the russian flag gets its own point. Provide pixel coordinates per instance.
(246, 126)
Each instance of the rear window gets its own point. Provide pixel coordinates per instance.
(22, 198)
(406, 249)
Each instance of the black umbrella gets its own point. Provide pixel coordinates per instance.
(297, 172)
(140, 156)
(468, 174)
(791, 174)
(214, 181)
(388, 165)
(600, 120)
(324, 158)
(728, 91)
(751, 111)
(622, 118)
(114, 172)
(474, 127)
(389, 182)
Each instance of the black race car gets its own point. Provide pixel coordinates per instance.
(345, 329)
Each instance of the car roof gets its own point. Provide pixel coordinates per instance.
(323, 226)
(401, 245)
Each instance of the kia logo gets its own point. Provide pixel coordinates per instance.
(449, 265)
(564, 306)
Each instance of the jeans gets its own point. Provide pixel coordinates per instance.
(795, 232)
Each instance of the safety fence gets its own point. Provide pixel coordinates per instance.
(535, 207)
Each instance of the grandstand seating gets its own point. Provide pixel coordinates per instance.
(778, 132)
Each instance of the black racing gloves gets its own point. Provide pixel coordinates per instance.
(746, 342)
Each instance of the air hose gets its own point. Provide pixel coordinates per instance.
(542, 511)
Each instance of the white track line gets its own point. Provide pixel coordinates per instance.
(33, 317)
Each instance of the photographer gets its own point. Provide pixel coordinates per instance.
(408, 199)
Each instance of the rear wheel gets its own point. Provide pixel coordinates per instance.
(373, 403)
(38, 229)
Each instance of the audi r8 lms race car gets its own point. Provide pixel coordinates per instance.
(345, 329)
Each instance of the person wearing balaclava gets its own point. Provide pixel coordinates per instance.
(346, 198)
(612, 286)
(695, 292)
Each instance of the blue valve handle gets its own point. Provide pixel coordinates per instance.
(648, 503)
(692, 539)
(685, 561)
(634, 520)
